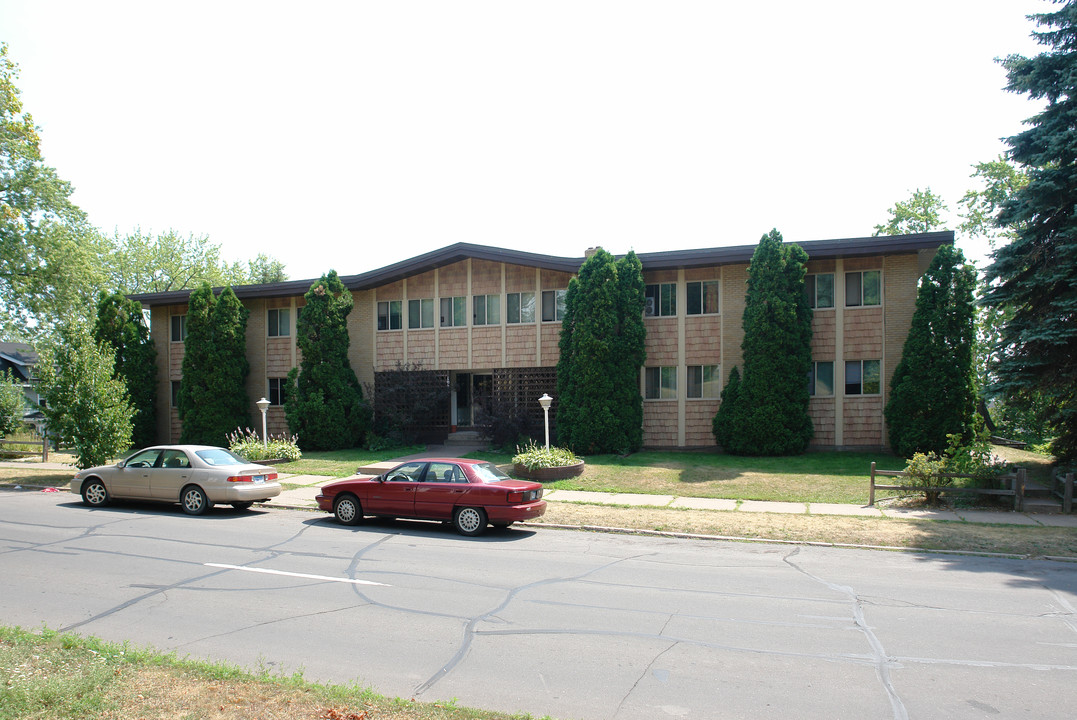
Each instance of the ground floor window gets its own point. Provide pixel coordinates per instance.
(660, 383)
(389, 315)
(862, 377)
(821, 379)
(703, 382)
(277, 388)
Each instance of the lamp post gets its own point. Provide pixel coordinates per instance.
(545, 402)
(263, 405)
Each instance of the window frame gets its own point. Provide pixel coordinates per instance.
(861, 382)
(457, 315)
(520, 305)
(813, 379)
(273, 328)
(174, 391)
(558, 305)
(861, 294)
(180, 322)
(660, 382)
(714, 383)
(655, 297)
(388, 314)
(813, 292)
(280, 392)
(702, 297)
(486, 302)
(425, 313)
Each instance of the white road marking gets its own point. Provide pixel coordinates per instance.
(292, 574)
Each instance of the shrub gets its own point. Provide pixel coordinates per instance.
(537, 456)
(246, 443)
(974, 458)
(924, 471)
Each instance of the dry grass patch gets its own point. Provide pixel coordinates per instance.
(884, 532)
(31, 476)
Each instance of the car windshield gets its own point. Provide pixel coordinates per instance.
(218, 457)
(488, 473)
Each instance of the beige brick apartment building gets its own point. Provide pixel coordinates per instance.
(487, 320)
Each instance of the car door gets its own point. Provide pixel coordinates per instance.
(133, 479)
(171, 474)
(443, 487)
(395, 494)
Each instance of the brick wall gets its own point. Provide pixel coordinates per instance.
(734, 285)
(660, 423)
(822, 414)
(551, 335)
(698, 417)
(824, 335)
(486, 277)
(452, 280)
(863, 424)
(864, 333)
(452, 349)
(520, 341)
(361, 324)
(486, 347)
(661, 341)
(702, 340)
(390, 349)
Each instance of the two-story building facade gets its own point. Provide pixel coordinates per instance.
(487, 320)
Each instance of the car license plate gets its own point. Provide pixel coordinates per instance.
(259, 478)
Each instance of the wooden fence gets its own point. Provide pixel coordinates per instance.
(1062, 486)
(1016, 490)
(42, 448)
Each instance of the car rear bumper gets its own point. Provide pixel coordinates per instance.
(515, 513)
(244, 492)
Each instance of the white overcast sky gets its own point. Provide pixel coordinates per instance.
(351, 135)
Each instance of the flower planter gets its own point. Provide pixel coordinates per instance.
(549, 473)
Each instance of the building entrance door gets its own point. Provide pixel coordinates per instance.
(473, 391)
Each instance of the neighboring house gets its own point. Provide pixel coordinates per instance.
(486, 321)
(18, 360)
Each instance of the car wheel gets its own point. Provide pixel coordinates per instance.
(194, 500)
(348, 511)
(242, 505)
(94, 493)
(469, 521)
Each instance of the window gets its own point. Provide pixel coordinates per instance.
(277, 389)
(703, 382)
(280, 322)
(453, 312)
(661, 300)
(553, 305)
(821, 379)
(389, 315)
(421, 313)
(520, 307)
(863, 288)
(702, 298)
(862, 377)
(175, 393)
(444, 472)
(179, 328)
(820, 289)
(487, 310)
(660, 383)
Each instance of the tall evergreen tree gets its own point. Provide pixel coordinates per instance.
(770, 408)
(1035, 276)
(324, 402)
(121, 324)
(213, 394)
(933, 391)
(600, 408)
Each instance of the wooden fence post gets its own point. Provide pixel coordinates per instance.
(1019, 490)
(44, 448)
(871, 487)
(1067, 494)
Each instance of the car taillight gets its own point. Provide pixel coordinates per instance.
(524, 496)
(515, 497)
(241, 478)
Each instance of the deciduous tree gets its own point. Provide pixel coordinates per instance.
(12, 404)
(921, 213)
(121, 324)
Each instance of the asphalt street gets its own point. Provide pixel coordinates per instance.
(570, 624)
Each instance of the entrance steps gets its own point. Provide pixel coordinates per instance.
(465, 437)
(1040, 499)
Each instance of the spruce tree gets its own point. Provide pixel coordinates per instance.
(769, 413)
(1035, 276)
(725, 421)
(213, 398)
(933, 390)
(121, 324)
(602, 349)
(324, 403)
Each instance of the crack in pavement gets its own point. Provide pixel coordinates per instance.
(882, 662)
(643, 674)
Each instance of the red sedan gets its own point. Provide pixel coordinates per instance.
(470, 493)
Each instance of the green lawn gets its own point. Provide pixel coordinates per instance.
(342, 463)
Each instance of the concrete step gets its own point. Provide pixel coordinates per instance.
(1043, 506)
(464, 437)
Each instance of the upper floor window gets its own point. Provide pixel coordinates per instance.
(863, 288)
(179, 328)
(553, 305)
(487, 310)
(703, 382)
(702, 298)
(520, 307)
(421, 313)
(862, 377)
(661, 300)
(660, 383)
(453, 311)
(821, 379)
(280, 322)
(820, 290)
(389, 315)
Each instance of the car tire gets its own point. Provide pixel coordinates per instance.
(94, 493)
(348, 510)
(242, 505)
(469, 521)
(194, 501)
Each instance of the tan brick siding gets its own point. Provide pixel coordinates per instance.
(452, 349)
(698, 417)
(520, 341)
(863, 424)
(702, 340)
(486, 277)
(452, 280)
(822, 413)
(824, 334)
(734, 285)
(360, 332)
(390, 349)
(519, 278)
(421, 348)
(486, 347)
(419, 286)
(551, 335)
(661, 341)
(660, 423)
(863, 333)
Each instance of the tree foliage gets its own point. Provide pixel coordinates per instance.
(213, 396)
(12, 404)
(600, 408)
(49, 256)
(768, 411)
(121, 324)
(933, 391)
(86, 405)
(324, 404)
(1035, 276)
(921, 213)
